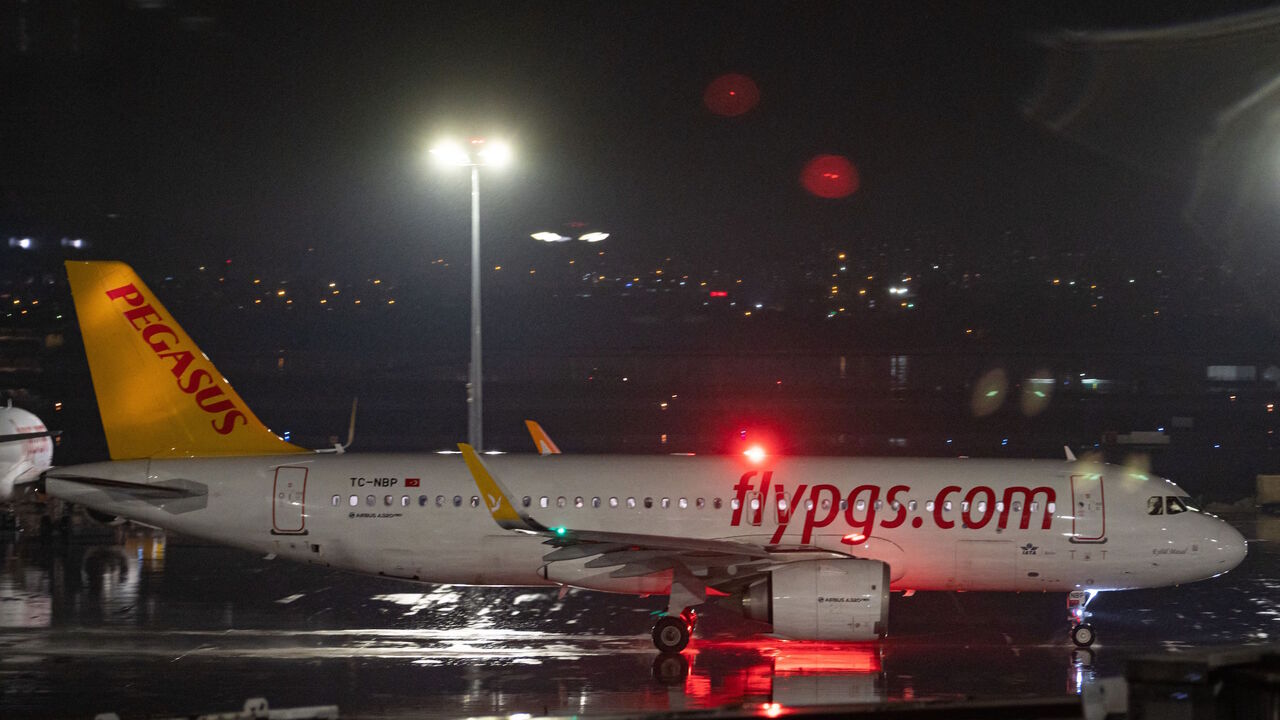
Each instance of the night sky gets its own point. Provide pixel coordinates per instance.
(257, 130)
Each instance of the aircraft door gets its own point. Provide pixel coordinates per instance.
(1088, 512)
(288, 504)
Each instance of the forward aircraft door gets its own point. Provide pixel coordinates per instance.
(1088, 512)
(288, 508)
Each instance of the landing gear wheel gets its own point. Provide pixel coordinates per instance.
(1083, 635)
(671, 634)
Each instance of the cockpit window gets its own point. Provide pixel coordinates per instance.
(1155, 505)
(1174, 505)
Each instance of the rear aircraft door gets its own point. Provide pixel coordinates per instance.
(288, 508)
(1088, 512)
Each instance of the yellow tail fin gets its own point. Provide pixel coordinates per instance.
(159, 396)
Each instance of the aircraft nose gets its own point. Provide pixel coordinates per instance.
(1230, 547)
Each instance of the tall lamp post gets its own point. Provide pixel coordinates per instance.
(476, 153)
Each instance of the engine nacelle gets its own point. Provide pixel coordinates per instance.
(838, 599)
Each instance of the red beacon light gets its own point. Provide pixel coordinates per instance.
(755, 453)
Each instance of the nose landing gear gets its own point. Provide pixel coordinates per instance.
(1082, 633)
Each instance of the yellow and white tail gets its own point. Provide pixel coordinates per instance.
(158, 394)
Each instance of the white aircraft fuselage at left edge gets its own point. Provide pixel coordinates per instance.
(809, 545)
(26, 450)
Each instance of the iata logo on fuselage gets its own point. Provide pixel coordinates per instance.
(184, 364)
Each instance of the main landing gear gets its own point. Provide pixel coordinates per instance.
(672, 632)
(1082, 633)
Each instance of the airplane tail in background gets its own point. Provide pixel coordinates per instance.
(158, 394)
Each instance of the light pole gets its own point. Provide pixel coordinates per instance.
(476, 153)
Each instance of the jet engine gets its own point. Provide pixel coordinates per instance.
(838, 600)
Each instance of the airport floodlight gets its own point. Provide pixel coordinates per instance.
(493, 153)
(475, 153)
(593, 237)
(550, 237)
(450, 153)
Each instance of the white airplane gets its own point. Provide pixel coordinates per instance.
(26, 449)
(810, 545)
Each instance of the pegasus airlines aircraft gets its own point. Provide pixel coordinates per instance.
(810, 545)
(26, 449)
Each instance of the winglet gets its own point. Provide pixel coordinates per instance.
(1071, 457)
(541, 439)
(496, 497)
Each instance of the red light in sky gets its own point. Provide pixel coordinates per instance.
(731, 95)
(830, 176)
(719, 293)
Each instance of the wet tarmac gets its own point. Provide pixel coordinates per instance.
(130, 621)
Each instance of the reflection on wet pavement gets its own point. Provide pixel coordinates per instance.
(126, 620)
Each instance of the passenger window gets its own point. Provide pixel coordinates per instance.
(1000, 506)
(860, 505)
(716, 503)
(439, 501)
(735, 504)
(879, 504)
(336, 499)
(1016, 506)
(631, 502)
(982, 506)
(755, 503)
(1173, 505)
(700, 503)
(422, 501)
(577, 502)
(457, 501)
(475, 501)
(526, 501)
(964, 506)
(928, 506)
(561, 501)
(648, 502)
(370, 500)
(844, 504)
(895, 506)
(782, 505)
(666, 503)
(355, 500)
(613, 502)
(684, 503)
(404, 501)
(1035, 506)
(387, 500)
(1155, 505)
(911, 505)
(544, 501)
(946, 506)
(1051, 507)
(595, 502)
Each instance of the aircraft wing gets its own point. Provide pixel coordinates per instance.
(631, 554)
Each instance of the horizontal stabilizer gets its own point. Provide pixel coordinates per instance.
(170, 489)
(29, 436)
